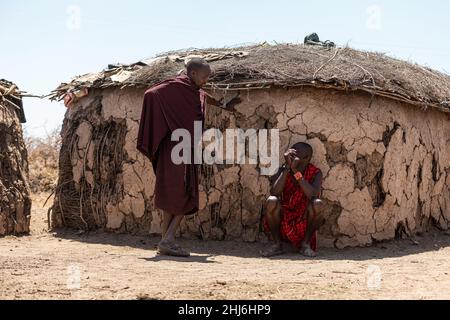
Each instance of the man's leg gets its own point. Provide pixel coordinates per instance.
(172, 229)
(273, 215)
(273, 210)
(315, 221)
(167, 219)
(167, 244)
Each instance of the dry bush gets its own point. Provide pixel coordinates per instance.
(43, 157)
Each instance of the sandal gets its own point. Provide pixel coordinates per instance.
(272, 251)
(171, 249)
(308, 252)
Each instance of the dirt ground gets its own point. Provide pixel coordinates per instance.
(69, 265)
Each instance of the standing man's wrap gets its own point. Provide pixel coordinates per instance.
(170, 105)
(173, 104)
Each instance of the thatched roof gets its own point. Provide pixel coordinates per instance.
(286, 65)
(11, 95)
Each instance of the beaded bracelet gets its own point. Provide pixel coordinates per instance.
(298, 176)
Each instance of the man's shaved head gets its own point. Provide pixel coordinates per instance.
(196, 64)
(198, 70)
(303, 148)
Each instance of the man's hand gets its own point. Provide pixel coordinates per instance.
(294, 164)
(230, 106)
(289, 157)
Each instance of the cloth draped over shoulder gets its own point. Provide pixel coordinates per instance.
(172, 104)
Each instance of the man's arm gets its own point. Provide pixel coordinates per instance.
(211, 101)
(311, 190)
(220, 103)
(280, 180)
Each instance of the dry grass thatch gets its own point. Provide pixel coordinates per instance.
(11, 95)
(286, 65)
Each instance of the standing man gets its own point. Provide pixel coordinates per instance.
(170, 105)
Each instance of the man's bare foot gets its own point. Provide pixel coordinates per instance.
(306, 251)
(167, 248)
(273, 250)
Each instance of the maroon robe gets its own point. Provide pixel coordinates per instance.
(173, 104)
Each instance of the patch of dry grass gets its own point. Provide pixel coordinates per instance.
(43, 158)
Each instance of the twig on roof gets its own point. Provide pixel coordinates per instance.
(321, 67)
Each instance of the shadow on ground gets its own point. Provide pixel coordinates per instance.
(194, 258)
(428, 242)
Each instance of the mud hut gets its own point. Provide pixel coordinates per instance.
(379, 127)
(15, 203)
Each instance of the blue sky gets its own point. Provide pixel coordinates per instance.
(46, 42)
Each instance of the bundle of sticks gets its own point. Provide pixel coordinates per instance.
(9, 91)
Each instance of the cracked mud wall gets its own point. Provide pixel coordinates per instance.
(15, 201)
(386, 167)
(104, 182)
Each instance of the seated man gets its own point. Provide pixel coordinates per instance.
(293, 210)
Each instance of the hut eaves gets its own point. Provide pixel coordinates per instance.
(285, 65)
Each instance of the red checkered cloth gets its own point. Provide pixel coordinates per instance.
(294, 204)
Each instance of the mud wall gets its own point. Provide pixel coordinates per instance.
(386, 167)
(15, 202)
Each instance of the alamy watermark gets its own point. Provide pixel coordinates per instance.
(373, 21)
(228, 148)
(73, 22)
(73, 277)
(373, 277)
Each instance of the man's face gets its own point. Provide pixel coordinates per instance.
(201, 76)
(303, 155)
